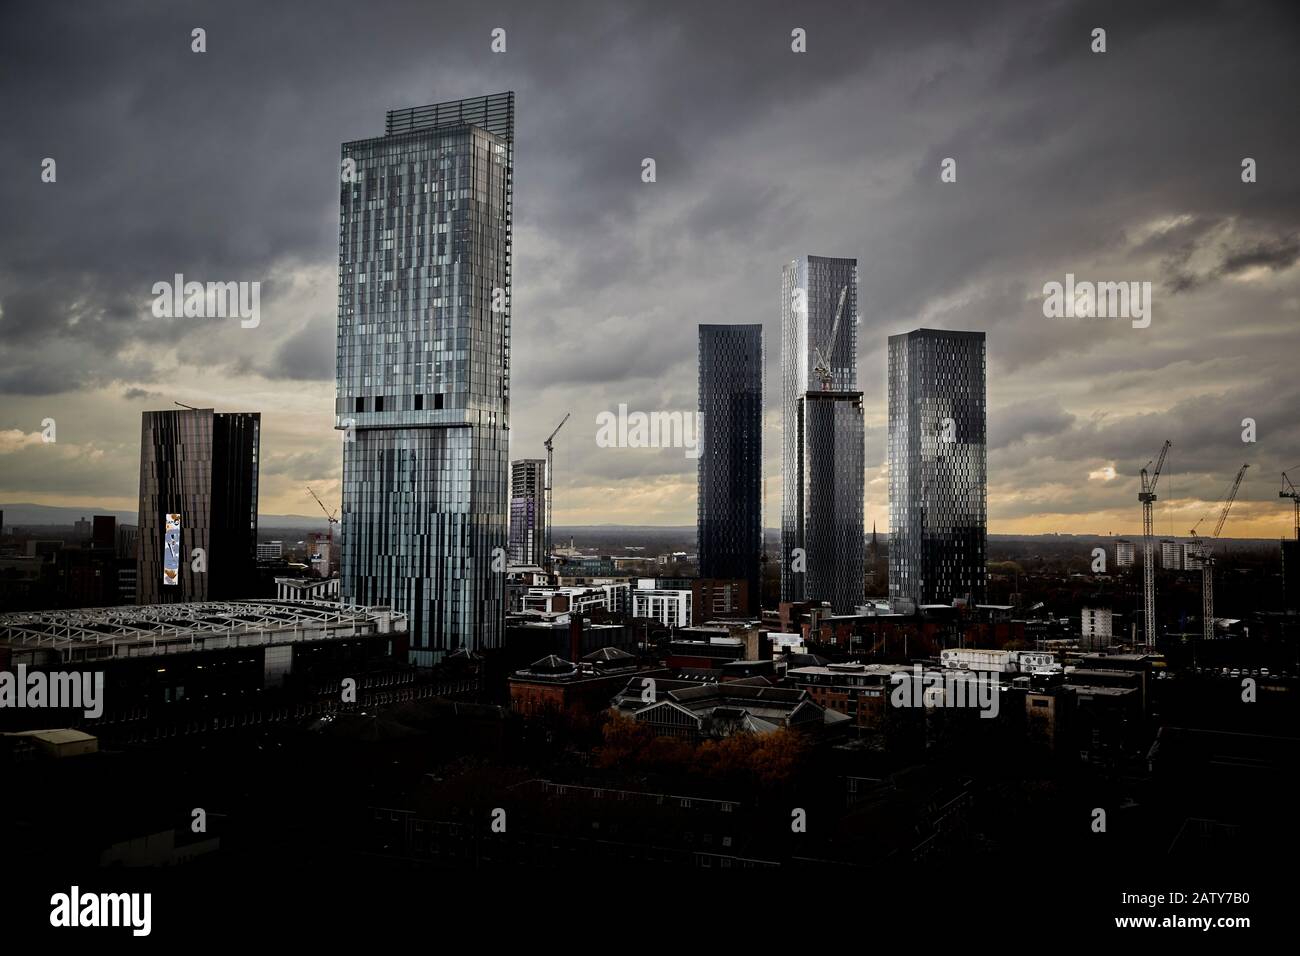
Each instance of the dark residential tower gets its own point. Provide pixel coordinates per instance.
(729, 525)
(937, 467)
(423, 397)
(528, 512)
(822, 435)
(832, 456)
(202, 466)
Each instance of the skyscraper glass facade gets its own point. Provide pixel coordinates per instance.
(937, 466)
(425, 216)
(729, 526)
(821, 436)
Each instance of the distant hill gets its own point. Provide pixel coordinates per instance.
(48, 514)
(599, 535)
(29, 514)
(592, 535)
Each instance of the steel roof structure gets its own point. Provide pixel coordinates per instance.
(128, 630)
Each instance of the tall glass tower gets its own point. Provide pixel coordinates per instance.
(424, 368)
(937, 467)
(729, 525)
(822, 454)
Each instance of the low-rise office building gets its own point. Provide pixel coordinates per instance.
(534, 636)
(859, 691)
(669, 608)
(307, 589)
(612, 598)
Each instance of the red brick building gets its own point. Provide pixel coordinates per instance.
(554, 686)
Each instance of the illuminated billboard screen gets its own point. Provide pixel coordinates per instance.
(172, 550)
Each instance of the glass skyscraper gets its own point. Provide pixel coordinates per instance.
(423, 369)
(528, 512)
(937, 467)
(729, 525)
(198, 489)
(822, 454)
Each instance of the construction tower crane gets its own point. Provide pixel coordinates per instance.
(1207, 559)
(333, 520)
(1148, 497)
(550, 459)
(1288, 491)
(822, 367)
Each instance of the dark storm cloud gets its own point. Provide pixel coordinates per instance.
(222, 166)
(305, 355)
(1039, 418)
(317, 463)
(1278, 254)
(1229, 258)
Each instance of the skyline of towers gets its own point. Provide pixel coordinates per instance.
(729, 474)
(822, 434)
(937, 466)
(430, 499)
(198, 489)
(425, 220)
(528, 512)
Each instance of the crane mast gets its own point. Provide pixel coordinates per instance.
(333, 520)
(1288, 491)
(1207, 559)
(1147, 496)
(823, 364)
(550, 459)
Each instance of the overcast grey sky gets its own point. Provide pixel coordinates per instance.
(1117, 166)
